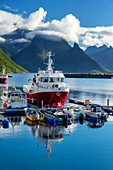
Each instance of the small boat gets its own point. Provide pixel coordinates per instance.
(55, 116)
(14, 99)
(75, 113)
(31, 115)
(94, 111)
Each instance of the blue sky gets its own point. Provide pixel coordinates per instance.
(90, 13)
(96, 15)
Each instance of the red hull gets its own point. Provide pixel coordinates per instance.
(48, 99)
(3, 80)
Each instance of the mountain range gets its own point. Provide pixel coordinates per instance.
(102, 55)
(27, 52)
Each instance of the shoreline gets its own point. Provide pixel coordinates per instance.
(88, 75)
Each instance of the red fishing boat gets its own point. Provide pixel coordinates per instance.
(48, 88)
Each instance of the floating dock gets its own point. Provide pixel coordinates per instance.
(107, 109)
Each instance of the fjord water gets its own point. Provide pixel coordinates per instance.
(77, 146)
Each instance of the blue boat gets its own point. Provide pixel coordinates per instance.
(94, 112)
(57, 116)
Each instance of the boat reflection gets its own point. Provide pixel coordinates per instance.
(14, 121)
(49, 135)
(93, 124)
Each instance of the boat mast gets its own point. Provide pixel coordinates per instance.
(49, 64)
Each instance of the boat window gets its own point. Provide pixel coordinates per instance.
(56, 79)
(12, 94)
(62, 79)
(5, 94)
(98, 109)
(45, 79)
(16, 94)
(51, 79)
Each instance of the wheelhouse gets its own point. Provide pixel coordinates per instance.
(51, 78)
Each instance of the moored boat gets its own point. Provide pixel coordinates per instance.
(3, 77)
(55, 116)
(49, 89)
(94, 112)
(14, 99)
(31, 115)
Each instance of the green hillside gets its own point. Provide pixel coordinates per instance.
(10, 65)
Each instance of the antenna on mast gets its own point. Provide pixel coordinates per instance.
(50, 62)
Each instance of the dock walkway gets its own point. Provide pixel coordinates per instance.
(107, 109)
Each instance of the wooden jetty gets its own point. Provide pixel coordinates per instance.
(89, 75)
(108, 109)
(79, 102)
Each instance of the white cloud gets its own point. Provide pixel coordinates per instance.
(20, 40)
(11, 9)
(24, 12)
(9, 22)
(83, 48)
(97, 36)
(2, 39)
(35, 19)
(68, 28)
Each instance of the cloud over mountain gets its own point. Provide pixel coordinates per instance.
(68, 28)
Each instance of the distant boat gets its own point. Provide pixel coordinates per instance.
(3, 77)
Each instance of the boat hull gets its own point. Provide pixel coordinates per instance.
(3, 80)
(47, 99)
(34, 119)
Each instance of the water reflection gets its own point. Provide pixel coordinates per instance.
(48, 135)
(92, 124)
(14, 120)
(95, 96)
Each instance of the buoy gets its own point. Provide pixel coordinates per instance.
(5, 105)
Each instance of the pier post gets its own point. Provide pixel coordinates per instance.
(107, 102)
(42, 103)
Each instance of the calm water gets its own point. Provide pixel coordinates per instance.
(28, 146)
